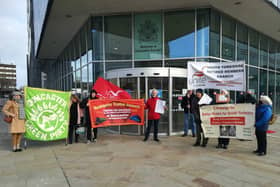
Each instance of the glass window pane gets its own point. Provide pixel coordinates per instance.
(84, 78)
(228, 39)
(278, 58)
(118, 37)
(148, 36)
(77, 51)
(254, 48)
(215, 34)
(277, 93)
(90, 75)
(271, 87)
(179, 34)
(263, 82)
(253, 80)
(97, 38)
(272, 54)
(98, 70)
(263, 51)
(242, 42)
(78, 79)
(118, 65)
(83, 46)
(202, 46)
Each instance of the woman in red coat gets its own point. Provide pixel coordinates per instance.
(153, 117)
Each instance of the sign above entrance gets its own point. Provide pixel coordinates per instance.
(221, 75)
(148, 36)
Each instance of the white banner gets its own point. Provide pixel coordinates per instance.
(221, 75)
(228, 121)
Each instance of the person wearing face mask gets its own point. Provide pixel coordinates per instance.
(153, 117)
(15, 109)
(85, 106)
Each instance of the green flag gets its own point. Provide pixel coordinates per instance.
(47, 114)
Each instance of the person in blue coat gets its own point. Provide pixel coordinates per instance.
(263, 115)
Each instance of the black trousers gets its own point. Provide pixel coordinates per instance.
(89, 132)
(200, 134)
(148, 129)
(261, 141)
(72, 128)
(223, 141)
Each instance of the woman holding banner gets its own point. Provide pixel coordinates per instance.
(263, 115)
(75, 118)
(85, 105)
(15, 108)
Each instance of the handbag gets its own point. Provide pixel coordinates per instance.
(8, 119)
(272, 119)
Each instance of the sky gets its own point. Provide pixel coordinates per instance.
(14, 37)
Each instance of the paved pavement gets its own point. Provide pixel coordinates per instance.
(120, 160)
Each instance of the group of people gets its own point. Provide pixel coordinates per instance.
(79, 115)
(192, 118)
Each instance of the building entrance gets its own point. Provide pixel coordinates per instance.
(171, 84)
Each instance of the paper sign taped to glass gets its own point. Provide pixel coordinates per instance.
(218, 75)
(228, 121)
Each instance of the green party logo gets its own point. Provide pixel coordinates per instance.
(47, 116)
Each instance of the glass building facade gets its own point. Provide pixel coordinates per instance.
(167, 39)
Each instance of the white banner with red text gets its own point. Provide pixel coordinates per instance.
(228, 121)
(221, 75)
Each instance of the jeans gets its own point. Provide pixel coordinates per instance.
(189, 123)
(150, 123)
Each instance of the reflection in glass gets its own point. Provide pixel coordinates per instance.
(242, 42)
(179, 34)
(263, 82)
(263, 51)
(253, 80)
(215, 33)
(254, 46)
(97, 38)
(84, 85)
(228, 38)
(118, 37)
(202, 46)
(271, 88)
(272, 54)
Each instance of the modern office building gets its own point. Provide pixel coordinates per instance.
(8, 79)
(140, 45)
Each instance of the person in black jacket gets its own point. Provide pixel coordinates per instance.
(75, 118)
(85, 106)
(186, 104)
(196, 112)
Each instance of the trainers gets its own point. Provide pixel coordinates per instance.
(196, 144)
(261, 154)
(94, 140)
(157, 140)
(88, 142)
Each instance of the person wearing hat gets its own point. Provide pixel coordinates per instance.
(196, 112)
(85, 106)
(263, 115)
(15, 109)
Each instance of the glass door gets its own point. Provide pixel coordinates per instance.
(130, 85)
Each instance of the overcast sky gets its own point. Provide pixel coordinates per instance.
(13, 36)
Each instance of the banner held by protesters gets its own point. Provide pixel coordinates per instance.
(47, 114)
(105, 112)
(225, 75)
(228, 121)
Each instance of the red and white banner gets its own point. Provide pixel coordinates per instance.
(108, 112)
(107, 90)
(228, 121)
(220, 75)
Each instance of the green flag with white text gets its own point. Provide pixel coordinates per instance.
(47, 114)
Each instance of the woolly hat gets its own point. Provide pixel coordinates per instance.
(265, 100)
(199, 91)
